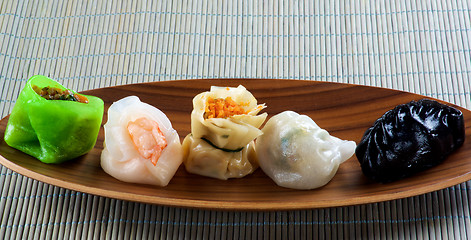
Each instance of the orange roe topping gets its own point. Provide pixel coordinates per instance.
(81, 98)
(222, 108)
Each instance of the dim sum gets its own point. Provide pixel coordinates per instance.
(224, 124)
(52, 123)
(140, 144)
(204, 159)
(410, 138)
(296, 153)
(227, 117)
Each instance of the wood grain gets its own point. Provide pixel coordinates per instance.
(344, 110)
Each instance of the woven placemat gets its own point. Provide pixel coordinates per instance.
(417, 46)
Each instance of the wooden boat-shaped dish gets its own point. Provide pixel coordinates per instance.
(344, 110)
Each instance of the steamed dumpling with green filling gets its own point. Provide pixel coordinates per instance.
(296, 153)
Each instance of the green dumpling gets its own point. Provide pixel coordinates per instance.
(51, 130)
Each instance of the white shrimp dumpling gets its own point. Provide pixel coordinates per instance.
(296, 153)
(231, 132)
(203, 159)
(140, 144)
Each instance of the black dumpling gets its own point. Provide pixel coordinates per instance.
(410, 138)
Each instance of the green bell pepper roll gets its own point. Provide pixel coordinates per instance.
(53, 131)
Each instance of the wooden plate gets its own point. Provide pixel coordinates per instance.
(344, 110)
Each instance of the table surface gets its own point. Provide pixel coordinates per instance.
(422, 47)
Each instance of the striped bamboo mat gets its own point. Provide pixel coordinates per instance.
(417, 46)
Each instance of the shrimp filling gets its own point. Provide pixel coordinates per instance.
(148, 140)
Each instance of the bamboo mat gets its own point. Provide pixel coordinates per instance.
(417, 46)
